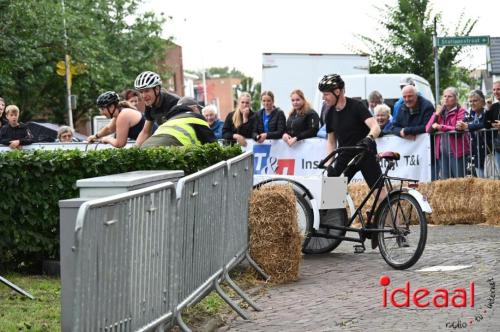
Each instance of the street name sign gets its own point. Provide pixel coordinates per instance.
(460, 41)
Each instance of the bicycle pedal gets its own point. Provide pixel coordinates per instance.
(359, 248)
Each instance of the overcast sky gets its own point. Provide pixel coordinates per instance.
(235, 33)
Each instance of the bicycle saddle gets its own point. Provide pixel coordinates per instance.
(389, 155)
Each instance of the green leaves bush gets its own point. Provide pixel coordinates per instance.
(33, 182)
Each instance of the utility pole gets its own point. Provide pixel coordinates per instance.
(205, 96)
(436, 62)
(67, 60)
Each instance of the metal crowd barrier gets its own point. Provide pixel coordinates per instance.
(480, 154)
(124, 257)
(144, 255)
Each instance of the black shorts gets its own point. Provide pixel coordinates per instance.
(369, 167)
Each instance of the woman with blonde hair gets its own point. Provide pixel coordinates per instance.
(303, 121)
(240, 123)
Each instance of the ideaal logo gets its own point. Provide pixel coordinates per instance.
(422, 297)
(263, 164)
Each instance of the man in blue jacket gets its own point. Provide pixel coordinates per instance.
(413, 115)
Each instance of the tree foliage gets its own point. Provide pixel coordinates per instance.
(109, 37)
(39, 179)
(223, 72)
(407, 46)
(247, 85)
(218, 72)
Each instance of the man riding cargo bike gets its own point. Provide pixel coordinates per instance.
(396, 221)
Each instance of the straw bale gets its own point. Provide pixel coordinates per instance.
(490, 201)
(358, 192)
(456, 201)
(275, 239)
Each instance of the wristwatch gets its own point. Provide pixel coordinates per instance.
(371, 137)
(96, 135)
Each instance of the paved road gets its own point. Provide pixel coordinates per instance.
(340, 291)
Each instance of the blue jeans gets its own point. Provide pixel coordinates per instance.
(449, 166)
(480, 172)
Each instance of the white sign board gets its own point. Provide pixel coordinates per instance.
(276, 157)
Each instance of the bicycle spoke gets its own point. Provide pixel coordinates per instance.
(404, 217)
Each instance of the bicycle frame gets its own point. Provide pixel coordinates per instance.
(383, 182)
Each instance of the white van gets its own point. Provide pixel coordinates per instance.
(360, 86)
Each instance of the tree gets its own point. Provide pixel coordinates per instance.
(407, 47)
(224, 72)
(101, 35)
(218, 72)
(247, 85)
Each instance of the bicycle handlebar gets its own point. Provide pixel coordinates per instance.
(359, 149)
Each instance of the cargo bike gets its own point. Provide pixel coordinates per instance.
(396, 221)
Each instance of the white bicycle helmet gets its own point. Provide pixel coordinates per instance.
(147, 79)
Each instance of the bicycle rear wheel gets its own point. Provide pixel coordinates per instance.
(319, 245)
(402, 247)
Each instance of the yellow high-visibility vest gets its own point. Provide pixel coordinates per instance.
(181, 130)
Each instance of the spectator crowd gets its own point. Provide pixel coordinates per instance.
(464, 140)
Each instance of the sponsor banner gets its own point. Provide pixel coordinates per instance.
(276, 157)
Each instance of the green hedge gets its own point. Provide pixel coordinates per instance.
(33, 182)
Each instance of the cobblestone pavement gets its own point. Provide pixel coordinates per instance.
(340, 291)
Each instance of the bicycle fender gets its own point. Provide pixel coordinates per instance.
(315, 210)
(424, 204)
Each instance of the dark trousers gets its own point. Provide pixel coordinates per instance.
(369, 167)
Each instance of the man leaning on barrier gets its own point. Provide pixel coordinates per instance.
(413, 114)
(183, 128)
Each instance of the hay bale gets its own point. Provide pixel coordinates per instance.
(453, 201)
(490, 208)
(275, 239)
(358, 192)
(456, 201)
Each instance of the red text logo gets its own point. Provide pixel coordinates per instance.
(422, 297)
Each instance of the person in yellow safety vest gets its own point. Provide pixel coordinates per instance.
(183, 128)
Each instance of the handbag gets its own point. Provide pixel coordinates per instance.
(490, 166)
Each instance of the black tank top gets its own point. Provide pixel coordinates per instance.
(134, 131)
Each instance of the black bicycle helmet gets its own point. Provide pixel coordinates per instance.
(330, 83)
(147, 79)
(107, 98)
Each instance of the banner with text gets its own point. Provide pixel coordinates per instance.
(276, 157)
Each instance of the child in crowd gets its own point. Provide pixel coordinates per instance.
(14, 134)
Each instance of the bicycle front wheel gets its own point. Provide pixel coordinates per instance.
(404, 242)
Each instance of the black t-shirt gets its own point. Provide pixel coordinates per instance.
(348, 125)
(493, 114)
(161, 113)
